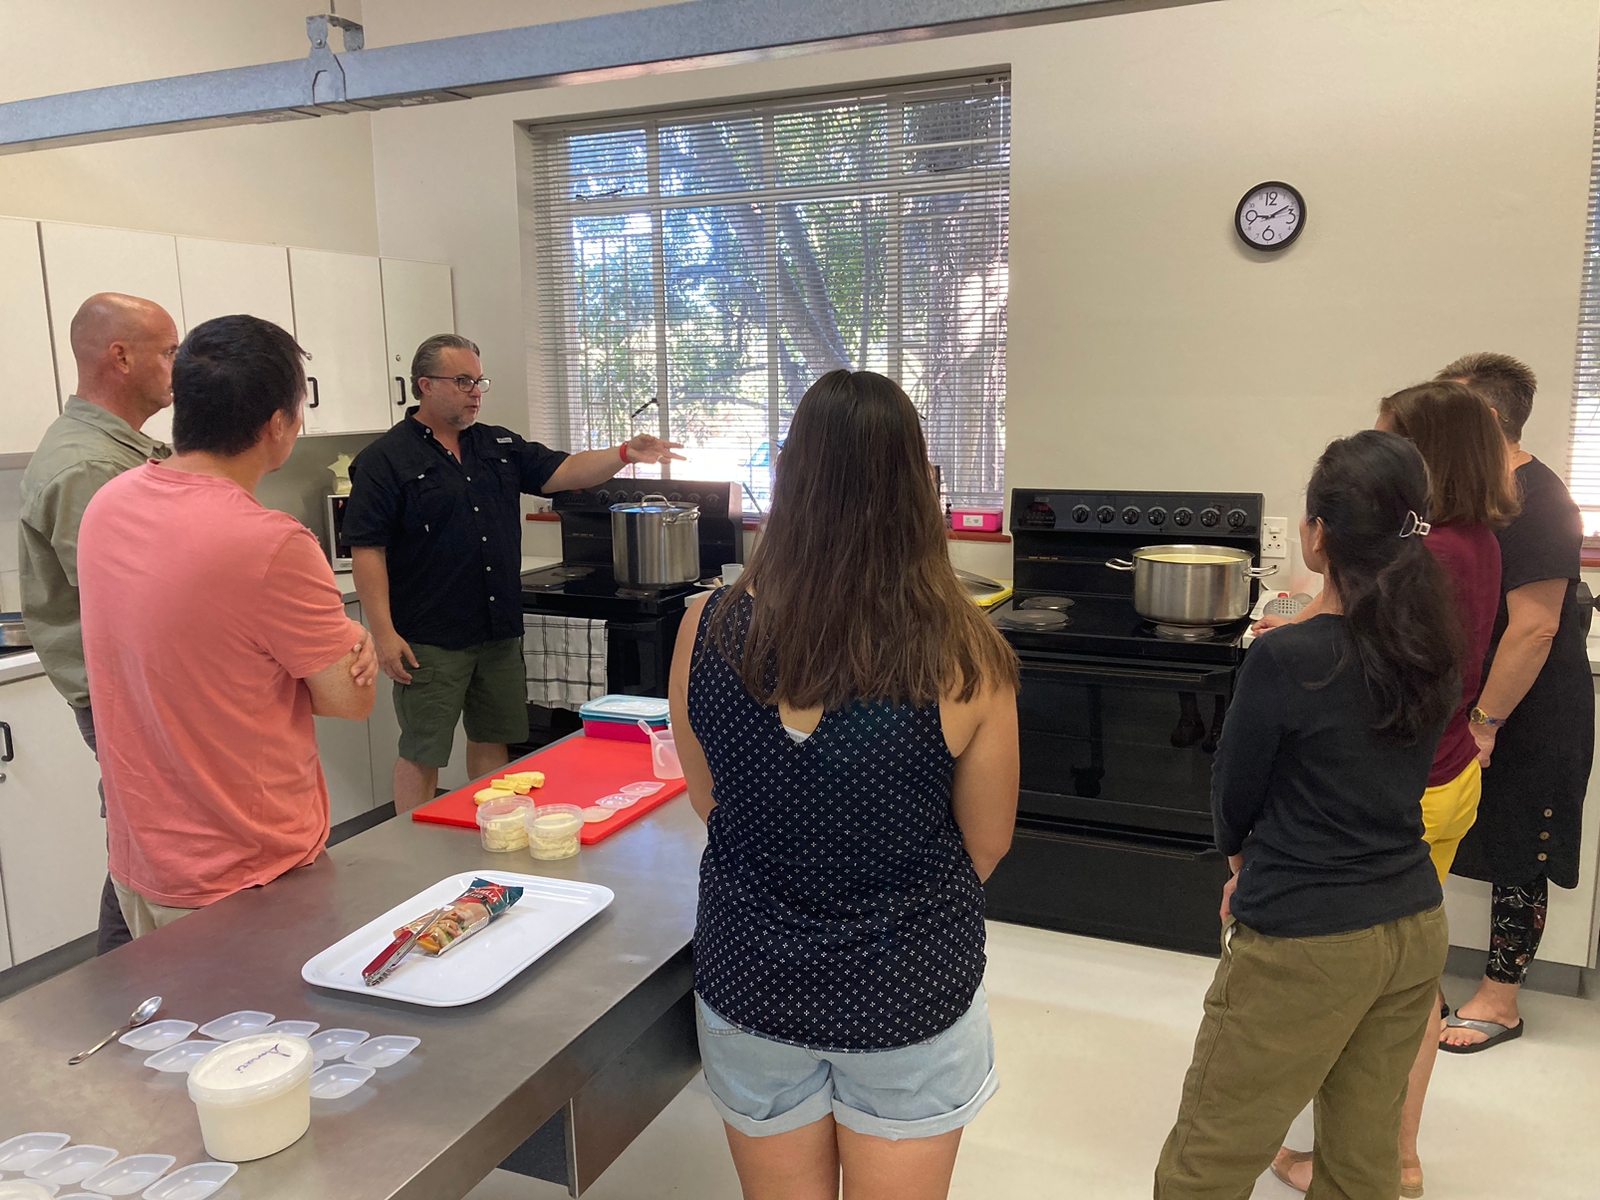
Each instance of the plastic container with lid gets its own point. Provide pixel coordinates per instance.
(618, 717)
(553, 830)
(253, 1096)
(502, 824)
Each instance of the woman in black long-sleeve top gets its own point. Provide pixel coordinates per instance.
(1334, 930)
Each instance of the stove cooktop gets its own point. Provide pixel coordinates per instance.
(1108, 627)
(582, 590)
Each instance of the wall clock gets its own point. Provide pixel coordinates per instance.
(1270, 216)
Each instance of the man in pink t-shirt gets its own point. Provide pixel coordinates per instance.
(213, 633)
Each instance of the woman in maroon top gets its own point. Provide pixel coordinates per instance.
(1470, 497)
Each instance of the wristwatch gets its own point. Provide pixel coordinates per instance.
(1478, 717)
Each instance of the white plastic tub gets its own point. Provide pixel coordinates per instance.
(253, 1096)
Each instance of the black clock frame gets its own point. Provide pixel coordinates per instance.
(1238, 216)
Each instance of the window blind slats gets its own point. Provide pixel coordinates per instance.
(698, 271)
(1583, 473)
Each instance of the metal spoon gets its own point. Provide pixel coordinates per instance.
(140, 1015)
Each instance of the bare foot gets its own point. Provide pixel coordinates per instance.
(1495, 1002)
(1293, 1167)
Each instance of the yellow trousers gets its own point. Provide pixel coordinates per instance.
(1448, 811)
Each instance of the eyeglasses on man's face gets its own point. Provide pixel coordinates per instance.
(464, 382)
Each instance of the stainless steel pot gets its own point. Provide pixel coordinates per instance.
(13, 632)
(655, 542)
(1191, 585)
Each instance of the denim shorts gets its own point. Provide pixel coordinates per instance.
(763, 1087)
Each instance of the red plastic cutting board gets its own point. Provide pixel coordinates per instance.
(579, 771)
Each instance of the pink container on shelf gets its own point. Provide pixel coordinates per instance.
(975, 520)
(618, 717)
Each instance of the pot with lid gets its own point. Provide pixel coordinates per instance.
(655, 542)
(1192, 586)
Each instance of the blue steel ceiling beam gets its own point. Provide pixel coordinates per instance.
(636, 42)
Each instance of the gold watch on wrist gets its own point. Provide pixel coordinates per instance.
(1478, 717)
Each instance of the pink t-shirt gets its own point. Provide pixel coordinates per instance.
(202, 613)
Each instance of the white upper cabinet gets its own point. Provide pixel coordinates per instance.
(80, 260)
(417, 303)
(338, 318)
(31, 401)
(223, 278)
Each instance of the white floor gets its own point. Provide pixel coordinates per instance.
(1093, 1039)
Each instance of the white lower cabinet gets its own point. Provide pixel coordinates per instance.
(52, 840)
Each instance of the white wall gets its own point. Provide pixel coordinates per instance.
(307, 182)
(1442, 145)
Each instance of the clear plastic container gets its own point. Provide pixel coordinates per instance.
(502, 824)
(553, 830)
(129, 1175)
(194, 1182)
(253, 1096)
(25, 1189)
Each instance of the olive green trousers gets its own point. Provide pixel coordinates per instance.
(1334, 1019)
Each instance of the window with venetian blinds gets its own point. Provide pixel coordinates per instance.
(697, 271)
(1583, 476)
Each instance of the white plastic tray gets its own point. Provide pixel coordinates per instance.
(548, 912)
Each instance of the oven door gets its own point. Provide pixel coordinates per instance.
(1120, 745)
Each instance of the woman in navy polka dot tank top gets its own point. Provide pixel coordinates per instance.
(847, 724)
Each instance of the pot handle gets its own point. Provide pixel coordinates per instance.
(1119, 564)
(1260, 572)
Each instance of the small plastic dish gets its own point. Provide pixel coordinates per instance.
(338, 1081)
(594, 814)
(381, 1052)
(616, 800)
(129, 1175)
(21, 1152)
(194, 1182)
(157, 1035)
(336, 1043)
(180, 1058)
(301, 1029)
(237, 1025)
(26, 1189)
(72, 1165)
(641, 789)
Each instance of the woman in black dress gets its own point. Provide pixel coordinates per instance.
(1534, 722)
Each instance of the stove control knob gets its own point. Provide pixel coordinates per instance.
(1182, 516)
(1210, 517)
(694, 497)
(1105, 514)
(1131, 515)
(1157, 515)
(1080, 513)
(1236, 518)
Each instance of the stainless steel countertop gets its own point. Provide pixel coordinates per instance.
(486, 1075)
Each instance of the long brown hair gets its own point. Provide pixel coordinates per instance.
(854, 595)
(1459, 439)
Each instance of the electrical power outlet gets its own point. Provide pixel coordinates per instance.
(1274, 537)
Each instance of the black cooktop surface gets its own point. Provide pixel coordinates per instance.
(582, 590)
(1109, 626)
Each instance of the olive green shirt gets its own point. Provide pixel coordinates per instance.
(84, 448)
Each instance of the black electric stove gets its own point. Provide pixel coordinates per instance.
(1118, 720)
(641, 623)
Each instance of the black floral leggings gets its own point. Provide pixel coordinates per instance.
(1516, 923)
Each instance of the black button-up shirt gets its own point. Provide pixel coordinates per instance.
(453, 530)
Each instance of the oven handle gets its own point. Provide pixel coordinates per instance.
(1132, 674)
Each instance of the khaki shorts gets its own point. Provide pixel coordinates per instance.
(484, 686)
(145, 916)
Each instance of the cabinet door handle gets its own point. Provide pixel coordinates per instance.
(401, 380)
(316, 395)
(11, 752)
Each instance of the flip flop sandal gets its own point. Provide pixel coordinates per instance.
(1411, 1191)
(1295, 1157)
(1493, 1031)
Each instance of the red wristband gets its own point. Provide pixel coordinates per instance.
(622, 450)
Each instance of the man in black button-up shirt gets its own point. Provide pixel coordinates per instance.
(434, 523)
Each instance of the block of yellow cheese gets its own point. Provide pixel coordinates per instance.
(491, 793)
